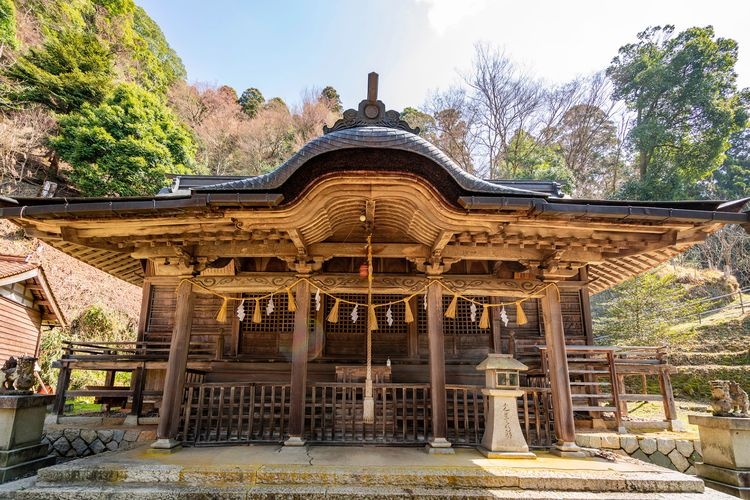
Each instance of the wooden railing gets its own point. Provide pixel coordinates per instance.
(136, 351)
(242, 413)
(220, 413)
(334, 413)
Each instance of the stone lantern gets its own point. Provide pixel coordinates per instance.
(502, 431)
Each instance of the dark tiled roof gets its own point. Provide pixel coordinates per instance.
(368, 137)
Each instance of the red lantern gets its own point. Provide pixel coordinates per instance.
(364, 270)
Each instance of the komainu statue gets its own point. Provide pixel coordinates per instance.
(721, 401)
(25, 379)
(740, 404)
(8, 374)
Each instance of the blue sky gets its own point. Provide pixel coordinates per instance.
(286, 46)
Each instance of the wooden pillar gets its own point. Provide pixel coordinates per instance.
(137, 380)
(436, 342)
(588, 324)
(559, 377)
(670, 410)
(174, 381)
(299, 366)
(63, 380)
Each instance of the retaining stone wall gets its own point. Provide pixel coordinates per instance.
(672, 453)
(76, 443)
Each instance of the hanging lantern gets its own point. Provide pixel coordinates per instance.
(364, 271)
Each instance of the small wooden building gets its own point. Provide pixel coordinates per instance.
(368, 269)
(26, 305)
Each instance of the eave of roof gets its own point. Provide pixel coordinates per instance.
(15, 268)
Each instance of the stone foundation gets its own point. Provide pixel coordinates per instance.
(680, 454)
(76, 442)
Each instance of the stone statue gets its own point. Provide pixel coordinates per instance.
(740, 404)
(25, 379)
(721, 401)
(8, 374)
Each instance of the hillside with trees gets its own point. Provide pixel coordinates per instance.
(95, 102)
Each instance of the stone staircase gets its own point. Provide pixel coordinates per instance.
(217, 473)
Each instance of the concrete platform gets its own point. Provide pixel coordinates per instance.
(345, 472)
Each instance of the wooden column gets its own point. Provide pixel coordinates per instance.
(436, 342)
(174, 381)
(299, 366)
(559, 377)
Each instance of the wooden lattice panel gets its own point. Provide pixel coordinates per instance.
(347, 338)
(280, 320)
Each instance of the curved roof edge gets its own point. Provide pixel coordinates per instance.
(369, 137)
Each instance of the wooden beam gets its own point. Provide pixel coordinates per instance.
(382, 284)
(559, 377)
(298, 241)
(174, 381)
(299, 366)
(440, 243)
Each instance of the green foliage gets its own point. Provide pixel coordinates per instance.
(683, 92)
(158, 65)
(124, 146)
(526, 158)
(70, 69)
(50, 350)
(419, 119)
(100, 324)
(641, 310)
(8, 23)
(251, 101)
(332, 99)
(732, 179)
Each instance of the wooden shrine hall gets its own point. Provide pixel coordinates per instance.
(348, 295)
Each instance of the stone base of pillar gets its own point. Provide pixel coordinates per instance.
(164, 445)
(439, 446)
(677, 426)
(294, 441)
(567, 450)
(505, 454)
(131, 420)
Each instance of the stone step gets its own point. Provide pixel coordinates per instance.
(404, 477)
(140, 491)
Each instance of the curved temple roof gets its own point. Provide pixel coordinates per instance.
(369, 137)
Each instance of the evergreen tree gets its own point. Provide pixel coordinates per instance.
(124, 146)
(251, 101)
(682, 90)
(70, 69)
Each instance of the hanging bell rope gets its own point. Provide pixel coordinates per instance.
(368, 410)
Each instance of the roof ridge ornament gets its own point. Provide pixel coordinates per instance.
(371, 113)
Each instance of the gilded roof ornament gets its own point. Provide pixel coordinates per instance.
(371, 113)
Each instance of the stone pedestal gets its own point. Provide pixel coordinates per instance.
(21, 424)
(725, 444)
(502, 434)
